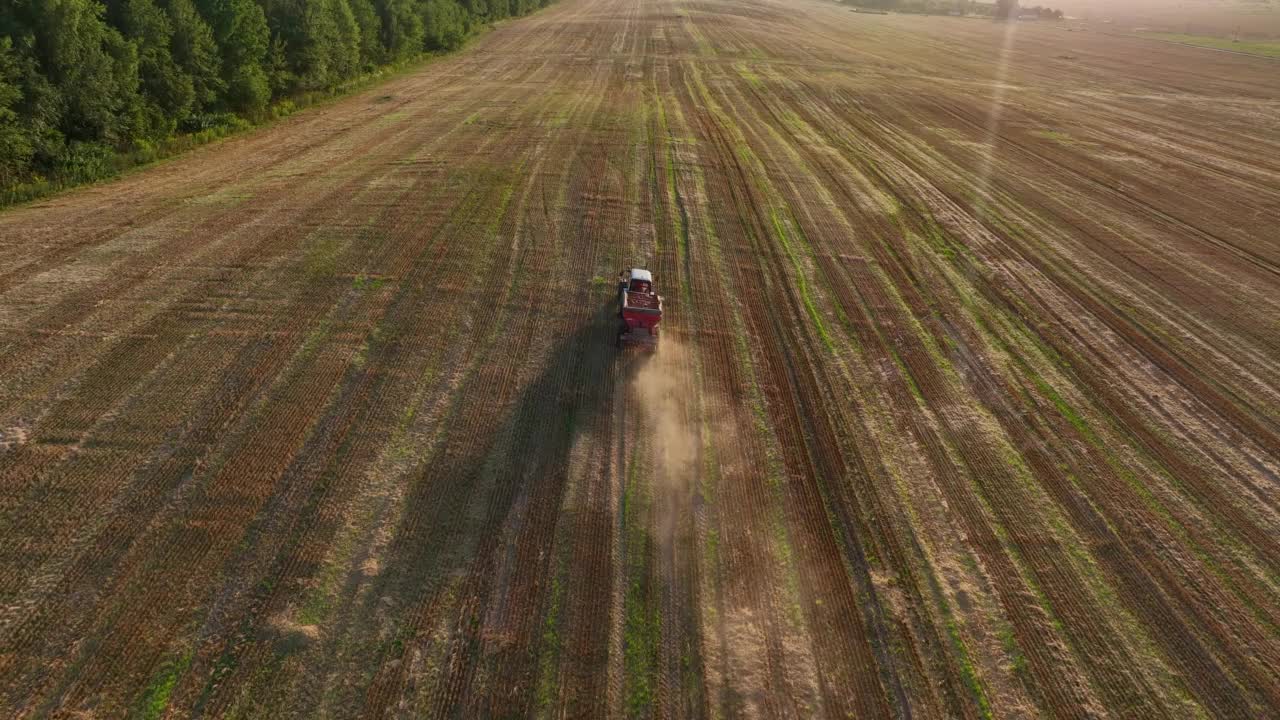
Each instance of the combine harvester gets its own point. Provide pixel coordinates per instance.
(640, 309)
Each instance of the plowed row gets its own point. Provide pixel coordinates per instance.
(968, 403)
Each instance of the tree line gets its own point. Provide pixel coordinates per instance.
(1007, 9)
(84, 81)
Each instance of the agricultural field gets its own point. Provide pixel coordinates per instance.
(1251, 20)
(1267, 49)
(967, 404)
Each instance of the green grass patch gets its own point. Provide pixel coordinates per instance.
(705, 48)
(810, 307)
(906, 375)
(155, 699)
(1017, 660)
(500, 210)
(937, 239)
(561, 118)
(967, 672)
(548, 689)
(711, 549)
(641, 624)
(786, 556)
(222, 198)
(1252, 47)
(1055, 135)
(676, 201)
(320, 256)
(793, 121)
(641, 630)
(317, 607)
(1060, 137)
(748, 75)
(1064, 408)
(364, 282)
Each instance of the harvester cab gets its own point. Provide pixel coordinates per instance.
(639, 308)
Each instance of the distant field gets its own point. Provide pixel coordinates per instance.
(968, 403)
(1267, 49)
(1254, 19)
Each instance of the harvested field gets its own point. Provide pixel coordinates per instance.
(968, 403)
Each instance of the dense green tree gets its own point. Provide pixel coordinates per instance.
(168, 92)
(240, 31)
(401, 28)
(372, 52)
(82, 80)
(280, 77)
(333, 49)
(39, 108)
(320, 40)
(445, 24)
(16, 146)
(93, 68)
(287, 40)
(78, 79)
(196, 52)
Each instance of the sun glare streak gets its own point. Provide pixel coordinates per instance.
(995, 111)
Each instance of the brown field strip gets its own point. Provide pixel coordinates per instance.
(967, 405)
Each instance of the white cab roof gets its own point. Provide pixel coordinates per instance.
(639, 274)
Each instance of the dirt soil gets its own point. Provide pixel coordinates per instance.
(968, 403)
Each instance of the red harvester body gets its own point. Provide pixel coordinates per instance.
(640, 309)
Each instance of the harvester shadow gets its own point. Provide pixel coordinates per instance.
(478, 528)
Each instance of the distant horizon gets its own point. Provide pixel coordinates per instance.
(1252, 19)
(1209, 12)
